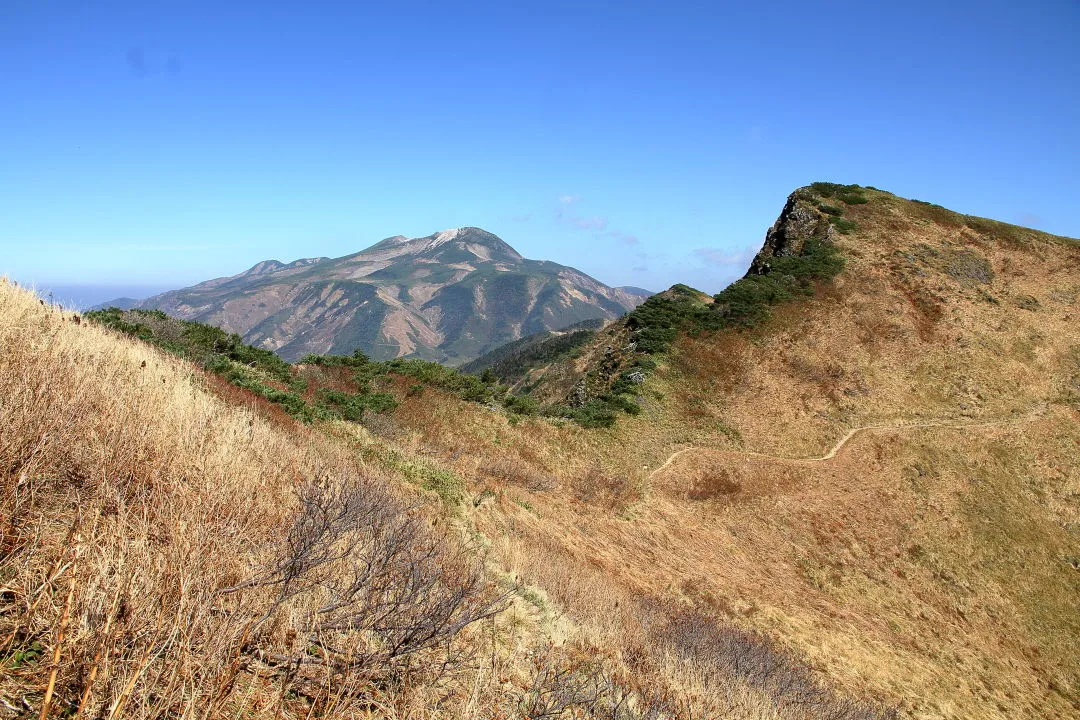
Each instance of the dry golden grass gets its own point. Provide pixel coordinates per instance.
(933, 567)
(165, 554)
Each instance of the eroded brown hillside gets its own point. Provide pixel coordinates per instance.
(932, 561)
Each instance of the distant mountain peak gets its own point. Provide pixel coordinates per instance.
(448, 296)
(445, 236)
(263, 267)
(461, 244)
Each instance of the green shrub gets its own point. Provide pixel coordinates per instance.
(848, 194)
(658, 320)
(521, 404)
(654, 340)
(621, 402)
(352, 406)
(357, 359)
(594, 414)
(467, 387)
(512, 361)
(194, 341)
(831, 210)
(844, 227)
(747, 301)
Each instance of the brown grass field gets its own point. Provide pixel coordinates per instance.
(931, 563)
(172, 548)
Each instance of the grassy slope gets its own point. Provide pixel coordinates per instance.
(149, 507)
(136, 489)
(931, 566)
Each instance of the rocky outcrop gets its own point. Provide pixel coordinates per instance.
(798, 222)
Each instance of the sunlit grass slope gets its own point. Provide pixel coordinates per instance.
(175, 546)
(931, 561)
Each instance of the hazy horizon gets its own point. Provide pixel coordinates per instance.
(84, 296)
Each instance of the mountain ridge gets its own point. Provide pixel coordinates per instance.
(845, 486)
(449, 296)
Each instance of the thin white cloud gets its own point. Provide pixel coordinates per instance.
(623, 238)
(721, 256)
(595, 222)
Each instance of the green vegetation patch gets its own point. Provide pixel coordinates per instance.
(194, 341)
(357, 360)
(467, 387)
(844, 226)
(254, 369)
(512, 362)
(658, 320)
(744, 303)
(847, 194)
(352, 406)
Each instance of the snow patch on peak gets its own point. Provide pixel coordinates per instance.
(444, 237)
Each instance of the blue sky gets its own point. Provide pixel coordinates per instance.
(158, 144)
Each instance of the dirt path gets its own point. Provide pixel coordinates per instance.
(1033, 415)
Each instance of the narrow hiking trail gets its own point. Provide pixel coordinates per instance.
(1031, 416)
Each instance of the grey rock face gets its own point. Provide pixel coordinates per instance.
(798, 222)
(579, 395)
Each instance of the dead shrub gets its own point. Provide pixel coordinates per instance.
(969, 266)
(130, 496)
(719, 360)
(566, 685)
(381, 425)
(371, 591)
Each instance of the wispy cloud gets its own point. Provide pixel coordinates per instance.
(596, 222)
(565, 214)
(623, 238)
(720, 257)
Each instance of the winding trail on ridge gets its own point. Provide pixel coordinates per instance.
(1031, 416)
